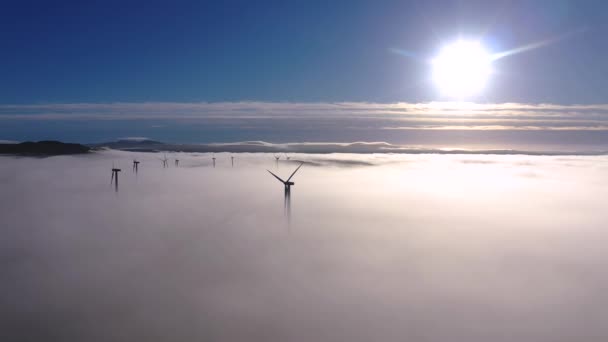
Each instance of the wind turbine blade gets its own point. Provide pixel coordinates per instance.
(288, 179)
(277, 177)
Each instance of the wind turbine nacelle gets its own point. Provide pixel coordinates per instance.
(289, 183)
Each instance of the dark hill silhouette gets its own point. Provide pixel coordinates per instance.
(130, 145)
(44, 148)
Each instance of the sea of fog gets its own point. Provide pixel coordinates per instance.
(379, 247)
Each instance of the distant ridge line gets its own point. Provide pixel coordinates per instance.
(42, 148)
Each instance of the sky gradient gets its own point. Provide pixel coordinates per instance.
(75, 51)
(191, 52)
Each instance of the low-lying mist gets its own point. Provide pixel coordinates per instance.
(379, 247)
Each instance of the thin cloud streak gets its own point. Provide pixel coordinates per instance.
(539, 127)
(501, 128)
(443, 114)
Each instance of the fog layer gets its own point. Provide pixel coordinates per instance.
(379, 247)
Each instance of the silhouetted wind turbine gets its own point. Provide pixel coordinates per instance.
(213, 160)
(135, 165)
(165, 161)
(232, 160)
(286, 156)
(114, 179)
(176, 162)
(288, 183)
(276, 159)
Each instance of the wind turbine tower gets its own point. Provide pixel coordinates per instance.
(165, 162)
(114, 179)
(287, 184)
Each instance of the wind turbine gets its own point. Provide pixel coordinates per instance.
(176, 162)
(232, 160)
(114, 179)
(288, 183)
(165, 161)
(286, 156)
(276, 159)
(213, 160)
(135, 165)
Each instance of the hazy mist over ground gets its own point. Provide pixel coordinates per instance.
(380, 247)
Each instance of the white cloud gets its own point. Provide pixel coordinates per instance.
(134, 139)
(415, 115)
(456, 125)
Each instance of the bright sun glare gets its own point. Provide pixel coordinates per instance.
(461, 69)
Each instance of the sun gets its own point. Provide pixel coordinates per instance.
(461, 69)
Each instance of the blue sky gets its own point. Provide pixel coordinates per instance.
(92, 51)
(95, 52)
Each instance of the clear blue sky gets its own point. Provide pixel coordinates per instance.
(107, 51)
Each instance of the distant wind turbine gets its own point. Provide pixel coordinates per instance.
(213, 160)
(232, 160)
(114, 179)
(286, 156)
(288, 183)
(276, 159)
(135, 165)
(176, 162)
(165, 161)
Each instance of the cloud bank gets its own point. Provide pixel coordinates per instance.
(402, 115)
(503, 125)
(141, 144)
